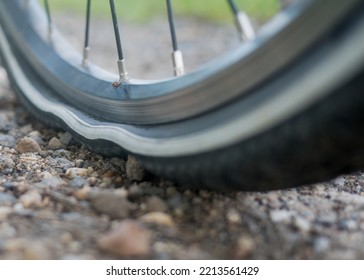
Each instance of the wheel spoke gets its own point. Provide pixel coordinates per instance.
(243, 23)
(123, 73)
(49, 18)
(86, 48)
(177, 57)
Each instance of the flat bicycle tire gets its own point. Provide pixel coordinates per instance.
(312, 137)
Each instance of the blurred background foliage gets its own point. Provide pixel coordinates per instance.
(143, 10)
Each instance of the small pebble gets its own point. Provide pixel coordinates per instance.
(129, 239)
(82, 194)
(339, 181)
(7, 231)
(92, 181)
(7, 199)
(326, 219)
(135, 191)
(245, 247)
(6, 121)
(49, 182)
(4, 212)
(34, 133)
(110, 203)
(45, 175)
(78, 182)
(27, 145)
(35, 250)
(134, 170)
(321, 244)
(302, 224)
(54, 144)
(31, 199)
(76, 172)
(155, 204)
(65, 139)
(9, 186)
(281, 216)
(79, 163)
(158, 218)
(62, 153)
(233, 217)
(7, 141)
(348, 225)
(66, 238)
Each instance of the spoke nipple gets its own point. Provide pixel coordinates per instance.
(178, 65)
(245, 27)
(123, 73)
(116, 84)
(85, 60)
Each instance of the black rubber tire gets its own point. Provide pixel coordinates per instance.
(317, 141)
(316, 145)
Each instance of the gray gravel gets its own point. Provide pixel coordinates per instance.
(58, 200)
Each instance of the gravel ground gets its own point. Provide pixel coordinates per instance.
(58, 200)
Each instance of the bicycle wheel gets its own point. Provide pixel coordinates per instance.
(280, 110)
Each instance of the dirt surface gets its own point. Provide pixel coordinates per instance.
(58, 200)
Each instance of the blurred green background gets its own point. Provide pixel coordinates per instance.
(142, 10)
